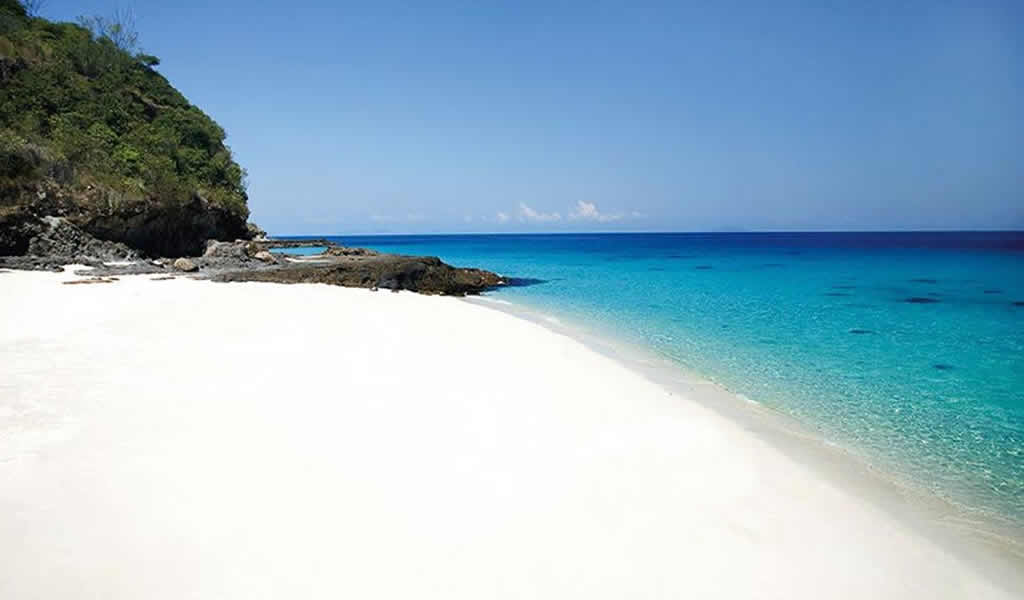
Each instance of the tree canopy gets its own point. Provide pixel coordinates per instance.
(82, 102)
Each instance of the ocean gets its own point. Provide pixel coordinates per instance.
(906, 349)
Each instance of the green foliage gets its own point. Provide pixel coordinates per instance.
(15, 158)
(83, 93)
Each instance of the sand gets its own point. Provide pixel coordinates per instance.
(188, 439)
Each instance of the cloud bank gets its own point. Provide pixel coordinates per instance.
(587, 211)
(528, 214)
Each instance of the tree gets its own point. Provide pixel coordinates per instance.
(33, 7)
(119, 28)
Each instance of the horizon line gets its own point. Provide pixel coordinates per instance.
(646, 232)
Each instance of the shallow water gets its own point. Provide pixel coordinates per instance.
(905, 348)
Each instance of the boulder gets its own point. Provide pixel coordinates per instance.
(218, 249)
(264, 256)
(184, 264)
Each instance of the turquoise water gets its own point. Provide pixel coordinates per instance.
(310, 251)
(907, 349)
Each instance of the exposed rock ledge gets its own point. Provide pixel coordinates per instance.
(425, 274)
(254, 260)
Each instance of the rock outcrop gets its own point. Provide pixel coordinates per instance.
(147, 226)
(254, 260)
(424, 274)
(60, 238)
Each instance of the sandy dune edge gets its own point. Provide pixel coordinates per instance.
(170, 439)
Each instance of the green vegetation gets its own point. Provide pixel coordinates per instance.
(82, 106)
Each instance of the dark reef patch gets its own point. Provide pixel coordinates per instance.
(703, 267)
(942, 367)
(681, 256)
(771, 265)
(859, 331)
(837, 294)
(924, 280)
(844, 287)
(992, 292)
(920, 300)
(523, 281)
(1019, 303)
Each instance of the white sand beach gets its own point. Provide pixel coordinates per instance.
(188, 439)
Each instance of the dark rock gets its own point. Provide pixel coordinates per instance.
(165, 229)
(523, 281)
(59, 238)
(345, 251)
(924, 280)
(703, 267)
(425, 274)
(17, 228)
(992, 292)
(272, 243)
(920, 300)
(836, 294)
(943, 367)
(148, 226)
(859, 331)
(1019, 303)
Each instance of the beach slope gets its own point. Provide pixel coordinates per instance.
(191, 439)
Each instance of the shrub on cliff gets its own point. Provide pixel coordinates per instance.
(82, 95)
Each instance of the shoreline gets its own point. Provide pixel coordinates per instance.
(996, 536)
(399, 434)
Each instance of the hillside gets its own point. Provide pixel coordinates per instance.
(92, 133)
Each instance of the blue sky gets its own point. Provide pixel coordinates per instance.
(568, 116)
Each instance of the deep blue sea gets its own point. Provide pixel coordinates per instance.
(904, 348)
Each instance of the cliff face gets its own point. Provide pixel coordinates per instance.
(92, 133)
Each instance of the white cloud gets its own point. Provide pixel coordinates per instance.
(528, 214)
(502, 217)
(587, 211)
